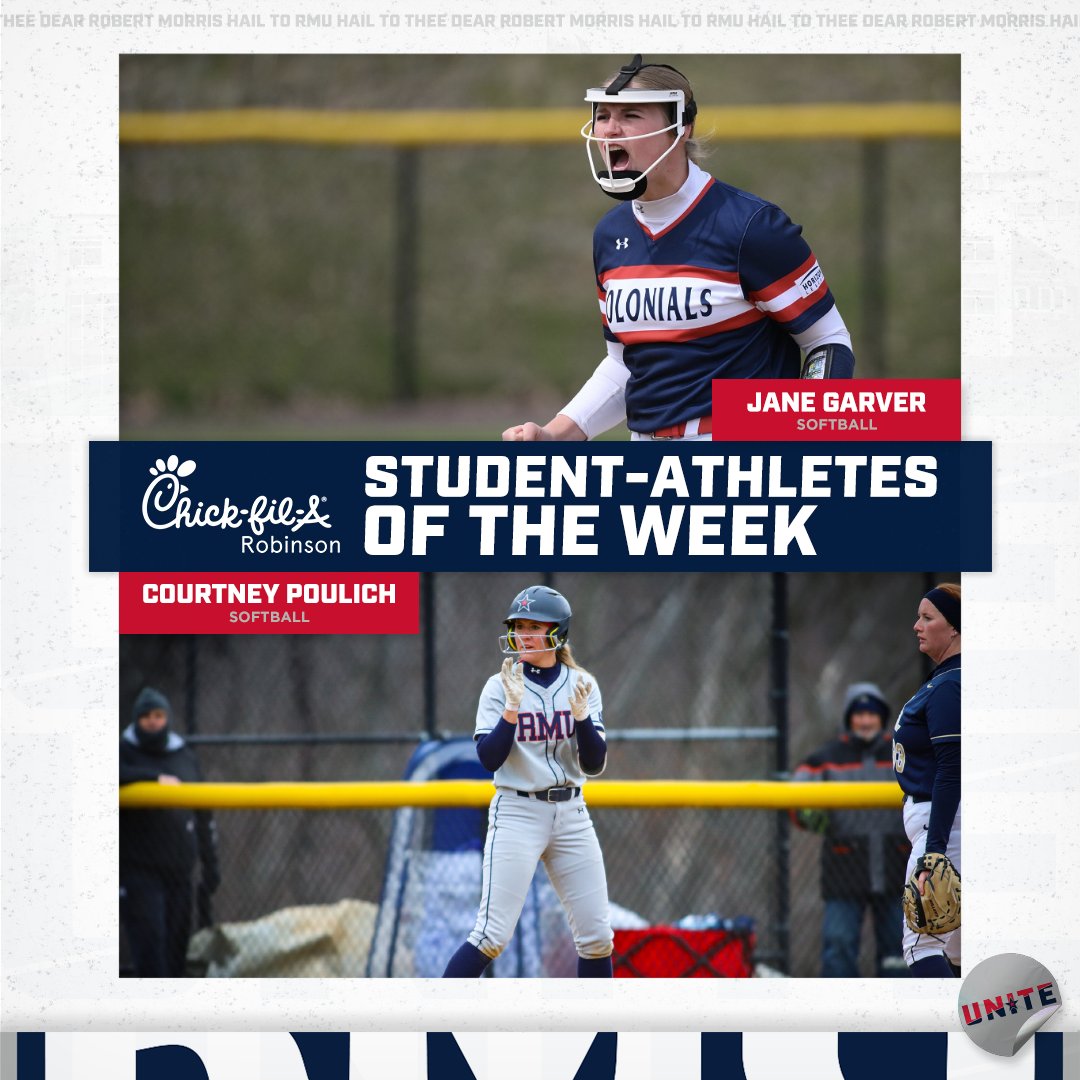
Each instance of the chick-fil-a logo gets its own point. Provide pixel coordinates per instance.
(167, 505)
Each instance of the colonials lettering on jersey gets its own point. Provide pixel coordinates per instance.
(679, 303)
(668, 303)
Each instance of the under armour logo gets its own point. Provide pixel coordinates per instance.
(623, 244)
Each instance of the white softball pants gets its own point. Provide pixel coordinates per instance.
(523, 831)
(919, 946)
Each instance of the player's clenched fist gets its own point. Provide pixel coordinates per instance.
(527, 432)
(579, 700)
(559, 428)
(513, 683)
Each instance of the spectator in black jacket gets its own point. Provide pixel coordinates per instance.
(159, 849)
(863, 852)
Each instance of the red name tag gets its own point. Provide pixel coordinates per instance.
(272, 603)
(894, 410)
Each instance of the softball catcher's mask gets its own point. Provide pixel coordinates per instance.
(627, 184)
(540, 604)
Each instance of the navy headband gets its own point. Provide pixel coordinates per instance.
(948, 605)
(633, 66)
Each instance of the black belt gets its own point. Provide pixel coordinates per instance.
(552, 794)
(920, 798)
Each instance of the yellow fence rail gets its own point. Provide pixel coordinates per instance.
(419, 128)
(410, 132)
(713, 794)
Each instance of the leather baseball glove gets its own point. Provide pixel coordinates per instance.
(936, 909)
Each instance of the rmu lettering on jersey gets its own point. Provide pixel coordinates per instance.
(538, 727)
(716, 294)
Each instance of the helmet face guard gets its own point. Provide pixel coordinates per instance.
(626, 184)
(510, 643)
(539, 604)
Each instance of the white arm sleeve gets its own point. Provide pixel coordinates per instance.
(829, 328)
(601, 404)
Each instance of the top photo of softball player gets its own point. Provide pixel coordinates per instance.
(397, 247)
(696, 280)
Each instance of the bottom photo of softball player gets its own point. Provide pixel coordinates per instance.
(470, 800)
(540, 730)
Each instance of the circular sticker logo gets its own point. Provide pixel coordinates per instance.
(1004, 1000)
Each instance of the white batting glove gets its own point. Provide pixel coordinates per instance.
(579, 699)
(513, 683)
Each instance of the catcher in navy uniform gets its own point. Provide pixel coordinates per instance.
(540, 730)
(696, 280)
(926, 760)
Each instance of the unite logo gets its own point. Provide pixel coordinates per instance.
(1004, 1000)
(166, 504)
(999, 1003)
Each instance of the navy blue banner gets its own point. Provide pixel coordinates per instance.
(487, 506)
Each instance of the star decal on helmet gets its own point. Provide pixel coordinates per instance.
(525, 603)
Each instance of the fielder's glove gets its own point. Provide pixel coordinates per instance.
(513, 683)
(937, 909)
(579, 700)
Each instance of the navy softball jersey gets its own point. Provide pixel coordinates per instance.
(717, 293)
(926, 748)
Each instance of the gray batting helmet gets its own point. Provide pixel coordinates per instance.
(540, 604)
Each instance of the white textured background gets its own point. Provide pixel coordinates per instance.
(1021, 374)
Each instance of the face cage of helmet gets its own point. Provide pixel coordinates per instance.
(625, 184)
(518, 643)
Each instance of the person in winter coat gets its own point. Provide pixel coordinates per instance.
(159, 849)
(863, 852)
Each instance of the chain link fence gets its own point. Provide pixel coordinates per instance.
(684, 665)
